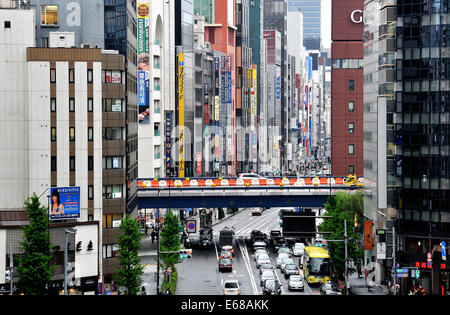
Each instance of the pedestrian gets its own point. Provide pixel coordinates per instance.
(153, 236)
(143, 291)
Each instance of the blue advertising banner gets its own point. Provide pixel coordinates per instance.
(65, 203)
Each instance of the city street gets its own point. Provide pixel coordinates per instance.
(200, 275)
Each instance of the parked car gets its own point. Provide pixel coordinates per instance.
(296, 283)
(267, 274)
(262, 259)
(329, 288)
(225, 264)
(231, 287)
(281, 257)
(299, 249)
(284, 262)
(271, 287)
(265, 267)
(290, 269)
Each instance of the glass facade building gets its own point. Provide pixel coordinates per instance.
(311, 21)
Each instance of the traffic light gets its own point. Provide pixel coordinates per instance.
(78, 246)
(90, 246)
(417, 274)
(8, 275)
(185, 253)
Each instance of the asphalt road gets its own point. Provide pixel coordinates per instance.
(200, 274)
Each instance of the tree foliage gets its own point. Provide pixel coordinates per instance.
(129, 273)
(342, 207)
(35, 270)
(170, 239)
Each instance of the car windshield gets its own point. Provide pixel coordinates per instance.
(231, 285)
(225, 261)
(288, 261)
(319, 265)
(283, 256)
(270, 284)
(260, 244)
(295, 278)
(263, 256)
(299, 246)
(267, 273)
(283, 250)
(291, 266)
(225, 253)
(266, 266)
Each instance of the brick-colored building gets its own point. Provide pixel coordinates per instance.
(347, 105)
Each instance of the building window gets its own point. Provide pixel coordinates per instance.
(90, 76)
(90, 105)
(72, 163)
(90, 133)
(112, 134)
(71, 104)
(351, 106)
(112, 105)
(112, 191)
(351, 169)
(111, 220)
(71, 75)
(112, 162)
(52, 75)
(351, 149)
(7, 24)
(90, 163)
(351, 85)
(110, 251)
(53, 104)
(53, 133)
(72, 133)
(44, 42)
(91, 192)
(351, 128)
(49, 15)
(53, 164)
(112, 76)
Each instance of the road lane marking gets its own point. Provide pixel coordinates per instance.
(249, 269)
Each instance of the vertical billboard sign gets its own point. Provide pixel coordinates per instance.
(143, 39)
(168, 143)
(181, 115)
(65, 203)
(368, 244)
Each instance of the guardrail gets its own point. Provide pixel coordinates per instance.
(238, 183)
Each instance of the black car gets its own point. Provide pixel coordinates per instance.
(271, 287)
(225, 264)
(329, 288)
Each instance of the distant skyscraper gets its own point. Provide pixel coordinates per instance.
(311, 21)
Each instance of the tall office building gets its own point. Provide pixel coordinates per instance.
(275, 18)
(311, 10)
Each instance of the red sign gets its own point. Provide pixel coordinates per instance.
(199, 162)
(206, 114)
(368, 244)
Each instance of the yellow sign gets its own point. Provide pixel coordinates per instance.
(181, 114)
(143, 10)
(255, 77)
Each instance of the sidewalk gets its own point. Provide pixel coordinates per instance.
(359, 287)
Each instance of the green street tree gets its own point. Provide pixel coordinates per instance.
(342, 207)
(35, 269)
(170, 239)
(129, 273)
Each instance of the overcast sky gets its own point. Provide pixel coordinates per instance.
(326, 23)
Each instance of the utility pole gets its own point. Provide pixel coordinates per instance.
(66, 232)
(346, 256)
(394, 270)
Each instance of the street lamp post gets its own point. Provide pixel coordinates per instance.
(66, 232)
